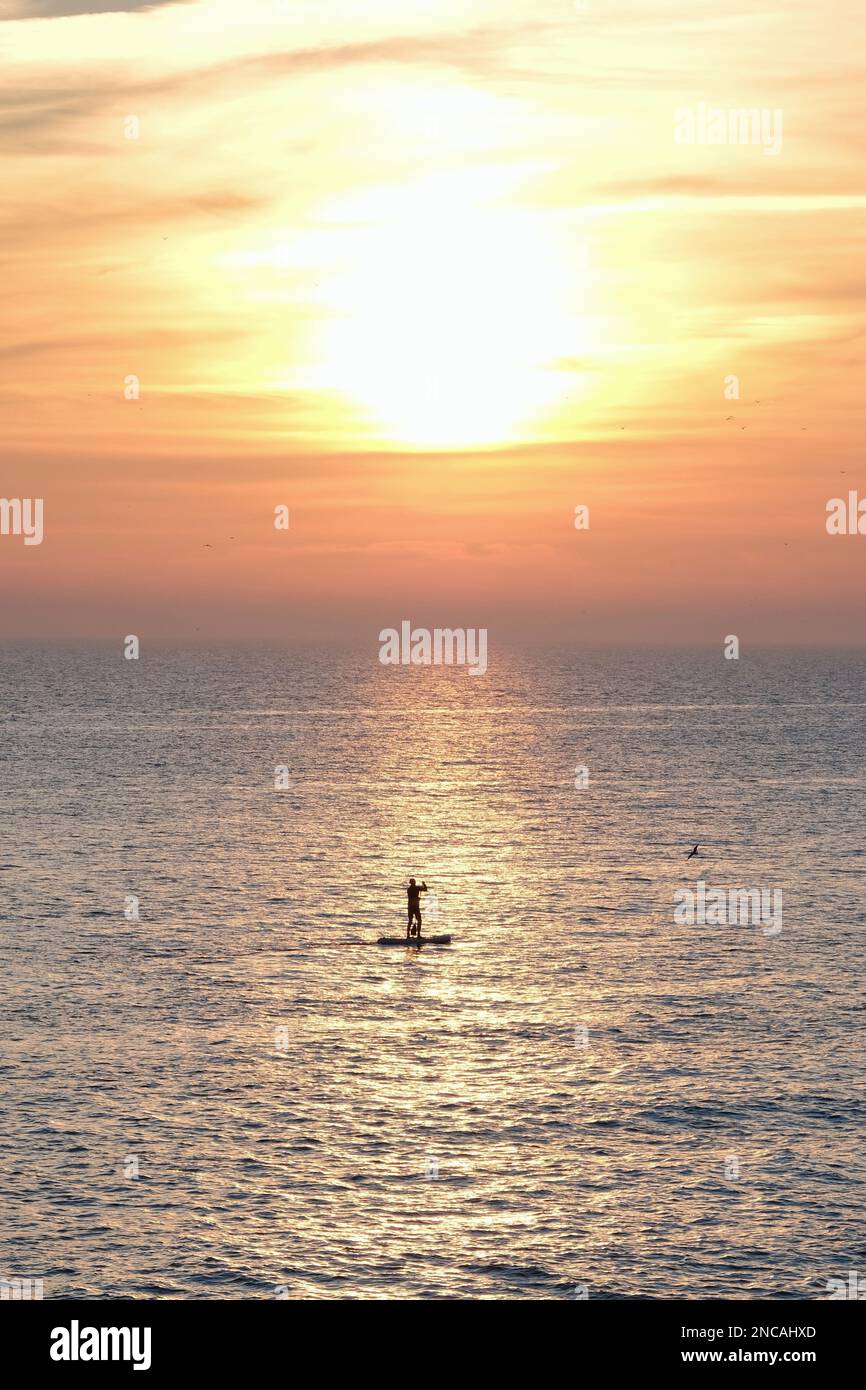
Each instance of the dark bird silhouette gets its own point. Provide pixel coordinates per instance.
(692, 853)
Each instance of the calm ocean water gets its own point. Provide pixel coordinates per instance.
(577, 1094)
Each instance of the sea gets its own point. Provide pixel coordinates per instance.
(218, 1086)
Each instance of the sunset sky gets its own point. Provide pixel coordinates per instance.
(431, 275)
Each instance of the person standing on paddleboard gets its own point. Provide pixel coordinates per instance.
(413, 892)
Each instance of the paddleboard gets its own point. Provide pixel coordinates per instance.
(414, 941)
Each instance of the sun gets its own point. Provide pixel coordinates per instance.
(449, 321)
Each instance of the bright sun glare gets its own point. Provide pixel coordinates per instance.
(449, 321)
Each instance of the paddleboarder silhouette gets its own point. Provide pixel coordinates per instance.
(414, 904)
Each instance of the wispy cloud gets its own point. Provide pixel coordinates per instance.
(63, 9)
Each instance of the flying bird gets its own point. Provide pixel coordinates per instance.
(692, 853)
